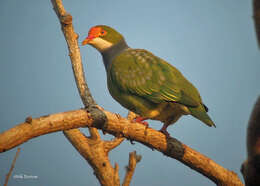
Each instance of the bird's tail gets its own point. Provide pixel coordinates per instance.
(201, 114)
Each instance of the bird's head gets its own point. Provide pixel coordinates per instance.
(102, 37)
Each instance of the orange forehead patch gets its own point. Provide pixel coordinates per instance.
(96, 32)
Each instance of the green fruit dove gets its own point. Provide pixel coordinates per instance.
(144, 83)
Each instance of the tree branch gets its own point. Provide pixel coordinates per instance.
(93, 151)
(43, 125)
(72, 41)
(12, 167)
(94, 134)
(251, 167)
(118, 125)
(133, 160)
(109, 145)
(96, 149)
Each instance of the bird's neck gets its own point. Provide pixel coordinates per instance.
(110, 53)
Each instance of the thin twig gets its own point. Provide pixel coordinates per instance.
(130, 169)
(109, 145)
(12, 167)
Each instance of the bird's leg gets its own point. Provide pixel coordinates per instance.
(140, 119)
(164, 130)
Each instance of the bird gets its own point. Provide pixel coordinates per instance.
(144, 83)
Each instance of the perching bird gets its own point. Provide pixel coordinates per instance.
(144, 83)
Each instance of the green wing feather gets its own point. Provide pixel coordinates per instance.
(139, 72)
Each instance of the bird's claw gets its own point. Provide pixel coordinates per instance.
(141, 120)
(144, 123)
(165, 133)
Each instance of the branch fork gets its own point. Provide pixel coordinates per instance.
(92, 148)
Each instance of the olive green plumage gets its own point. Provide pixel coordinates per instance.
(141, 81)
(148, 85)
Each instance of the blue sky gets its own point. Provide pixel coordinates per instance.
(212, 43)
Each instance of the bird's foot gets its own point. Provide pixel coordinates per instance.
(164, 131)
(140, 119)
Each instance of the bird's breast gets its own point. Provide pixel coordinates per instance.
(168, 111)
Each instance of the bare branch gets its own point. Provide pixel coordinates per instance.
(118, 139)
(104, 175)
(12, 167)
(74, 52)
(79, 141)
(75, 57)
(91, 149)
(109, 145)
(133, 160)
(94, 134)
(43, 125)
(116, 175)
(251, 167)
(132, 131)
(93, 152)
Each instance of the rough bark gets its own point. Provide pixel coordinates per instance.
(95, 151)
(119, 126)
(251, 167)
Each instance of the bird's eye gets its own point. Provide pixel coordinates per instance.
(103, 32)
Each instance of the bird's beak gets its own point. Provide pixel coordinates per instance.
(87, 40)
(93, 33)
